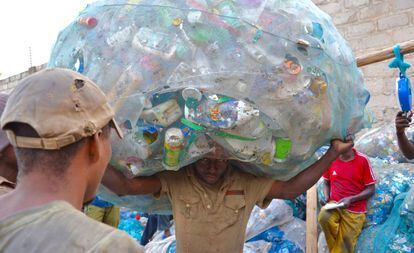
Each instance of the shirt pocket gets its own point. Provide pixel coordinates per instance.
(188, 206)
(233, 209)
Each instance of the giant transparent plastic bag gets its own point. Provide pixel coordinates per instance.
(270, 81)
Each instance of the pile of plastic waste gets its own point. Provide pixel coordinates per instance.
(396, 234)
(270, 230)
(390, 217)
(392, 180)
(270, 81)
(132, 223)
(381, 142)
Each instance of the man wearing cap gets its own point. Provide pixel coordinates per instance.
(212, 199)
(8, 163)
(59, 123)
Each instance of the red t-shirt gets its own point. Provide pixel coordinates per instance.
(349, 179)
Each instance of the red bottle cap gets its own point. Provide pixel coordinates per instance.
(88, 21)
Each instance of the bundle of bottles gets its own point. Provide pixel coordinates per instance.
(269, 82)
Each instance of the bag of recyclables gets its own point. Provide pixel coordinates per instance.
(269, 81)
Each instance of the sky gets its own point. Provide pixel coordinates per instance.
(34, 24)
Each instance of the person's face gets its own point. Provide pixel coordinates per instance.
(97, 170)
(211, 171)
(348, 155)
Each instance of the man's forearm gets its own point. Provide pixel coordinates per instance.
(365, 194)
(307, 178)
(119, 184)
(407, 148)
(115, 181)
(143, 185)
(326, 189)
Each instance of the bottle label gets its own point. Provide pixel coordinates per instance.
(172, 155)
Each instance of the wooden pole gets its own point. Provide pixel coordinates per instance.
(311, 221)
(385, 54)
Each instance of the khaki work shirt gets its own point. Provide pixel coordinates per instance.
(59, 227)
(212, 220)
(5, 186)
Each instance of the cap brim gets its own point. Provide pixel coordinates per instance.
(117, 129)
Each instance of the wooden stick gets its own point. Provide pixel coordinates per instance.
(311, 221)
(382, 55)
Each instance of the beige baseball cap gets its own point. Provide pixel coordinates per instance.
(61, 105)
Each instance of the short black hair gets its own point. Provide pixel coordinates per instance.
(53, 162)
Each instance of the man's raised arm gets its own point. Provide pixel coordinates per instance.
(402, 122)
(121, 185)
(306, 179)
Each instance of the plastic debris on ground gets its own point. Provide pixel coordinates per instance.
(392, 180)
(162, 244)
(270, 230)
(270, 81)
(132, 223)
(395, 235)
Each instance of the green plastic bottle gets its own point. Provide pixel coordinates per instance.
(283, 147)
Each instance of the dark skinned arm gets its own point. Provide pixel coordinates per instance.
(365, 194)
(326, 191)
(306, 179)
(121, 185)
(401, 123)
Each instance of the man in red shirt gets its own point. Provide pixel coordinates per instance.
(349, 182)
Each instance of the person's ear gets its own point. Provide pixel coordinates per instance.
(95, 147)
